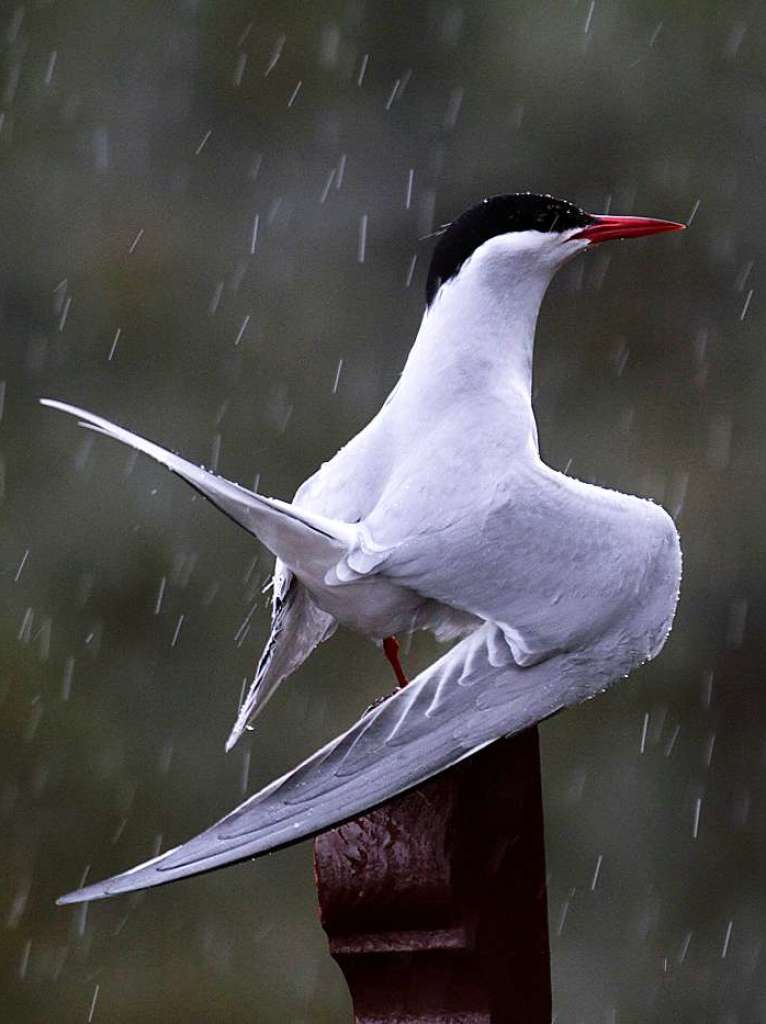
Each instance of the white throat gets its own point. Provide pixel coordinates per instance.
(479, 331)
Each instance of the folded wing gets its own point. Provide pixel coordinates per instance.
(467, 699)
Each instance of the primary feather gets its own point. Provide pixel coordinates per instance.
(461, 703)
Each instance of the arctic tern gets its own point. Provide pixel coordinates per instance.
(441, 515)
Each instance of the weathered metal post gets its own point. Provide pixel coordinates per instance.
(435, 904)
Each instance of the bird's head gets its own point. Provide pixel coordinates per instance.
(526, 234)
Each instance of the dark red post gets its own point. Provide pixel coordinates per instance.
(435, 904)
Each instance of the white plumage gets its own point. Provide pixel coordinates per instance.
(440, 515)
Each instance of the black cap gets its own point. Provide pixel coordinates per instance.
(497, 215)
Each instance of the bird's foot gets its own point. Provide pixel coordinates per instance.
(391, 651)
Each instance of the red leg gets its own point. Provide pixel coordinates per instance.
(391, 651)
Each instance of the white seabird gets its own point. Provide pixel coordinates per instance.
(441, 515)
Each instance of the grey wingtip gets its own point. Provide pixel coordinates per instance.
(99, 890)
(242, 724)
(70, 897)
(85, 895)
(138, 877)
(54, 403)
(234, 737)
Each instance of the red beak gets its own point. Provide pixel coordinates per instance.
(604, 228)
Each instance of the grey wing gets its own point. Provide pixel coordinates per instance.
(552, 560)
(309, 542)
(297, 627)
(470, 697)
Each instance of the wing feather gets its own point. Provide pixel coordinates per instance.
(302, 539)
(395, 746)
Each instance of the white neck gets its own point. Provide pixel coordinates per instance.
(479, 332)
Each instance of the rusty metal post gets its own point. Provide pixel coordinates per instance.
(435, 904)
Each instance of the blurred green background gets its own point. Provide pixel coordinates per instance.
(140, 143)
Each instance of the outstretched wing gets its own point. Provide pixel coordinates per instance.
(467, 699)
(297, 627)
(303, 540)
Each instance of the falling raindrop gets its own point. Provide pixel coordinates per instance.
(20, 568)
(24, 962)
(596, 872)
(66, 682)
(113, 348)
(410, 270)
(177, 631)
(682, 952)
(242, 329)
(294, 94)
(203, 142)
(644, 729)
(589, 17)
(697, 814)
(410, 181)
(275, 55)
(727, 940)
(134, 244)
(239, 70)
(328, 185)
(160, 596)
(337, 377)
(453, 107)
(245, 776)
(94, 1000)
(216, 299)
(362, 244)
